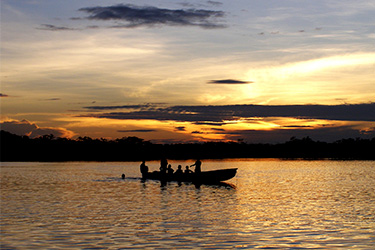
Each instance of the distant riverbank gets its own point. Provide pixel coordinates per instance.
(48, 148)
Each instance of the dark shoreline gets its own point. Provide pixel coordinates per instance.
(49, 149)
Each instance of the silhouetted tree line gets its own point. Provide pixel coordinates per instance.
(50, 148)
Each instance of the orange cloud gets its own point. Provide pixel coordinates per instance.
(25, 127)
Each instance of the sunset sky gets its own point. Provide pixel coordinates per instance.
(183, 71)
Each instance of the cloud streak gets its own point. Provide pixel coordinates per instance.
(180, 128)
(328, 134)
(52, 27)
(137, 131)
(228, 81)
(141, 106)
(219, 114)
(134, 16)
(53, 99)
(215, 3)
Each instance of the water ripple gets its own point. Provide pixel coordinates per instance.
(270, 205)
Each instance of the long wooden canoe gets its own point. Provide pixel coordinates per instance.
(205, 177)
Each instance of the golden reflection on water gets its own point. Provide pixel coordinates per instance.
(275, 204)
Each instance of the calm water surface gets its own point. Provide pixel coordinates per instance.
(270, 204)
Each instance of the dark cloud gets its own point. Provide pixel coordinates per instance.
(134, 16)
(354, 112)
(57, 132)
(181, 128)
(137, 131)
(215, 3)
(298, 126)
(209, 123)
(197, 132)
(93, 27)
(53, 99)
(202, 4)
(216, 131)
(211, 131)
(327, 134)
(228, 81)
(143, 106)
(186, 4)
(25, 127)
(215, 116)
(147, 106)
(54, 28)
(218, 114)
(3, 95)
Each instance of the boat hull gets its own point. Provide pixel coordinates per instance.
(206, 177)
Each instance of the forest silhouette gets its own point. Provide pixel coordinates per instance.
(50, 148)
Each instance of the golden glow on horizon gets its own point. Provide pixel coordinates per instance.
(186, 131)
(322, 64)
(325, 80)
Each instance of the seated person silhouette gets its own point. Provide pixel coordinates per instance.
(170, 170)
(179, 170)
(179, 173)
(187, 171)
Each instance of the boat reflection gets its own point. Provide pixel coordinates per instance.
(197, 185)
(181, 183)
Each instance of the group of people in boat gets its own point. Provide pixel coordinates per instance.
(166, 170)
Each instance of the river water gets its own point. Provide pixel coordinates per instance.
(269, 204)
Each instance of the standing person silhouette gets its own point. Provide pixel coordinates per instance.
(197, 165)
(163, 166)
(143, 169)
